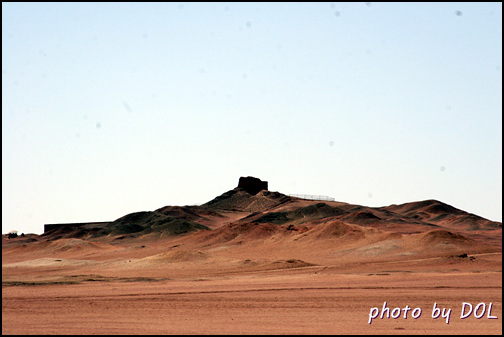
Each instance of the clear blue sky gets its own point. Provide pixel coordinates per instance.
(110, 108)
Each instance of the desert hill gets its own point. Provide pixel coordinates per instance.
(434, 211)
(239, 199)
(240, 225)
(134, 225)
(262, 211)
(253, 260)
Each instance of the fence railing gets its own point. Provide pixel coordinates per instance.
(312, 197)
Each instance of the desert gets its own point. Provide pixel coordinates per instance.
(254, 261)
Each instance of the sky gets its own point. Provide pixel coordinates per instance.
(115, 108)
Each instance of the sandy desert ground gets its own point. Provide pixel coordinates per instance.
(264, 265)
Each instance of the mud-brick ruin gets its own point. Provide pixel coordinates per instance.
(252, 185)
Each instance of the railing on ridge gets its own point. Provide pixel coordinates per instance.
(312, 197)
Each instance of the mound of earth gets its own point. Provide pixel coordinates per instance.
(298, 216)
(335, 229)
(444, 236)
(74, 231)
(467, 221)
(192, 213)
(237, 233)
(148, 222)
(238, 199)
(362, 218)
(427, 206)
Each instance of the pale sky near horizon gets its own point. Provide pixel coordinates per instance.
(114, 108)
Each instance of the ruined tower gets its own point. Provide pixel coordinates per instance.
(252, 185)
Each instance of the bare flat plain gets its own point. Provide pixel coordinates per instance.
(283, 274)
